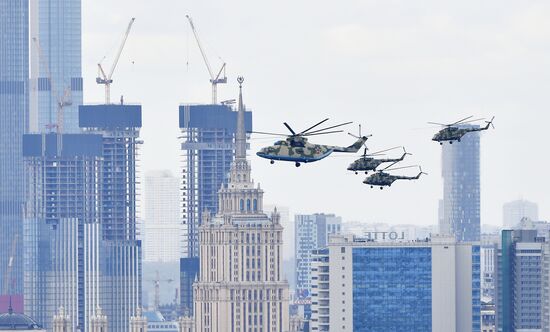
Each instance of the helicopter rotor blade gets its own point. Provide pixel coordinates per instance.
(461, 121)
(266, 133)
(396, 168)
(378, 152)
(308, 129)
(331, 127)
(390, 165)
(439, 124)
(288, 127)
(323, 133)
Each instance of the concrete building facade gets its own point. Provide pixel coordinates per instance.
(241, 285)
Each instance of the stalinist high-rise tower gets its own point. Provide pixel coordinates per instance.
(241, 286)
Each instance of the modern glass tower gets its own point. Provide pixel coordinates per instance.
(14, 72)
(119, 126)
(56, 63)
(207, 143)
(62, 227)
(461, 190)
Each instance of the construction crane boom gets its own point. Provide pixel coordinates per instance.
(61, 101)
(214, 80)
(108, 79)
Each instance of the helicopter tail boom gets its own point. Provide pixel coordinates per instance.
(352, 148)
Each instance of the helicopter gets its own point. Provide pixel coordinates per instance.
(383, 179)
(297, 149)
(452, 132)
(367, 163)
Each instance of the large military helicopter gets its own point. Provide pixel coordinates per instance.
(297, 149)
(367, 163)
(452, 132)
(382, 179)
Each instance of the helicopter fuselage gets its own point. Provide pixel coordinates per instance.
(450, 134)
(299, 150)
(380, 179)
(365, 164)
(296, 151)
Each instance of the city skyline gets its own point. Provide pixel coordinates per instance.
(397, 79)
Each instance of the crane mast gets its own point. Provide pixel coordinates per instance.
(61, 101)
(215, 79)
(105, 79)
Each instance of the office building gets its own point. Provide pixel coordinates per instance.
(521, 282)
(56, 64)
(514, 212)
(487, 261)
(360, 285)
(14, 73)
(119, 127)
(461, 192)
(311, 233)
(161, 229)
(241, 285)
(61, 228)
(207, 143)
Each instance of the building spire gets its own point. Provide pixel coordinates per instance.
(240, 137)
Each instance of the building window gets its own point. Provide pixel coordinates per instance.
(248, 205)
(242, 205)
(255, 204)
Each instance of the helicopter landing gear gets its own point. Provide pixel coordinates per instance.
(450, 142)
(440, 143)
(372, 186)
(272, 162)
(297, 164)
(381, 188)
(366, 172)
(355, 172)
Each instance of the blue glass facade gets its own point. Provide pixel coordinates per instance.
(392, 289)
(59, 39)
(14, 71)
(119, 127)
(461, 189)
(476, 289)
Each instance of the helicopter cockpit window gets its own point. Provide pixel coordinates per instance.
(279, 143)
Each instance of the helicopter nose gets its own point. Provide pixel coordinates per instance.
(350, 167)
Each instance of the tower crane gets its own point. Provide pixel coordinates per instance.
(61, 101)
(215, 80)
(157, 282)
(108, 79)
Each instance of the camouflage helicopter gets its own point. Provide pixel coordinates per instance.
(383, 179)
(297, 149)
(367, 163)
(452, 132)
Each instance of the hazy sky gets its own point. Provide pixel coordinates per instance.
(390, 65)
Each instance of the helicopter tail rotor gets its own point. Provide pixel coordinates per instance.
(490, 123)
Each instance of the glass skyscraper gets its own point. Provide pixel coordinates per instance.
(62, 227)
(119, 127)
(56, 63)
(461, 189)
(14, 72)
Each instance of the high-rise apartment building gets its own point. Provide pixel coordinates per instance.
(56, 63)
(461, 191)
(311, 233)
(207, 143)
(513, 212)
(360, 285)
(62, 230)
(241, 285)
(119, 127)
(161, 229)
(522, 282)
(14, 73)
